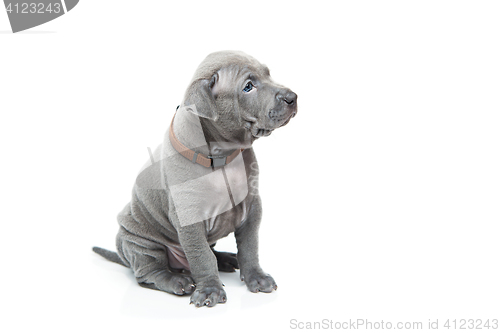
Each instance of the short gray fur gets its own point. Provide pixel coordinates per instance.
(151, 236)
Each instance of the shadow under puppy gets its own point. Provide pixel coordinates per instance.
(196, 190)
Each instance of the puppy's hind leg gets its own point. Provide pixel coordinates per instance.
(164, 280)
(226, 261)
(149, 262)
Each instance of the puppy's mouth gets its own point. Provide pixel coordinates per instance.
(258, 130)
(288, 119)
(255, 129)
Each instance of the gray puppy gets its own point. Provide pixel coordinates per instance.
(200, 184)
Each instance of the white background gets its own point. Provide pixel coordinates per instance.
(381, 198)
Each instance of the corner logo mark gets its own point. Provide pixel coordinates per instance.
(25, 15)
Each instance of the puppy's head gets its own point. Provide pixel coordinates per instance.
(236, 95)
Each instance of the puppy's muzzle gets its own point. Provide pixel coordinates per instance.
(286, 108)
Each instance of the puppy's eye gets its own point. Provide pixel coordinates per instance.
(248, 87)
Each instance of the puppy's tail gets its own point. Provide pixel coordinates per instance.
(110, 255)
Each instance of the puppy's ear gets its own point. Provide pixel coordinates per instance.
(200, 100)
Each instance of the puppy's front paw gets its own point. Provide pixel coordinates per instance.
(208, 295)
(258, 281)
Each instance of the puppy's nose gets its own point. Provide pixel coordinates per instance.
(289, 97)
